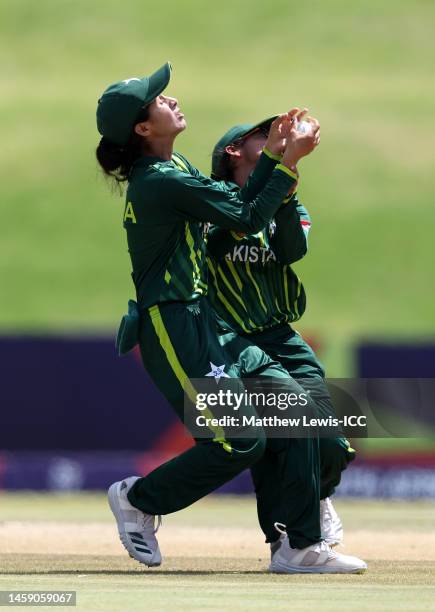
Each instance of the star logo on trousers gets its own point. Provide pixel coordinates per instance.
(217, 372)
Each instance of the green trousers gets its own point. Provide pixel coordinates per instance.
(285, 346)
(179, 342)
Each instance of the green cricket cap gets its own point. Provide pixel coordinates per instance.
(120, 104)
(238, 131)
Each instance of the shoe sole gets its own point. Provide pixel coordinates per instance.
(321, 569)
(116, 511)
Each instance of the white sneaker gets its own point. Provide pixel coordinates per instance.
(315, 559)
(136, 529)
(330, 523)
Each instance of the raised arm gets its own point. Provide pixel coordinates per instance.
(272, 153)
(206, 200)
(267, 162)
(191, 198)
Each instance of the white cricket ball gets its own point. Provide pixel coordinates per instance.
(304, 127)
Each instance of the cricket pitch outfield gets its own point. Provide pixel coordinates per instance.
(214, 557)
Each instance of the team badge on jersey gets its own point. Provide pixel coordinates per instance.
(217, 372)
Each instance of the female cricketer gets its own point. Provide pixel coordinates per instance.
(166, 216)
(257, 295)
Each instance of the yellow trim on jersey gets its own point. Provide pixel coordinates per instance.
(238, 297)
(237, 235)
(221, 297)
(287, 171)
(284, 273)
(297, 297)
(233, 291)
(183, 379)
(180, 163)
(272, 155)
(254, 282)
(279, 309)
(233, 271)
(191, 245)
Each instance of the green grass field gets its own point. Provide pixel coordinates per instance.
(214, 557)
(365, 69)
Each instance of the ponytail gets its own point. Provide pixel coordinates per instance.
(117, 161)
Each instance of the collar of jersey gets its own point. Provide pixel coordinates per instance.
(147, 160)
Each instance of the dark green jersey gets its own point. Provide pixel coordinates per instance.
(167, 211)
(252, 286)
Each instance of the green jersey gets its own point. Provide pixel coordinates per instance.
(252, 285)
(169, 205)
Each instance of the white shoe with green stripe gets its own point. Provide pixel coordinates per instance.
(137, 530)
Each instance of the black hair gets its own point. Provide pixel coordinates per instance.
(226, 164)
(116, 160)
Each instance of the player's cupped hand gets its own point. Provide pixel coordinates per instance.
(300, 143)
(315, 127)
(278, 131)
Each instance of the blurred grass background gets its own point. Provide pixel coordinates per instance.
(364, 69)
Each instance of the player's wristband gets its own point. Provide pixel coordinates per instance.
(287, 171)
(272, 155)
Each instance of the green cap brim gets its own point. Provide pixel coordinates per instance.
(231, 136)
(158, 82)
(263, 124)
(119, 107)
